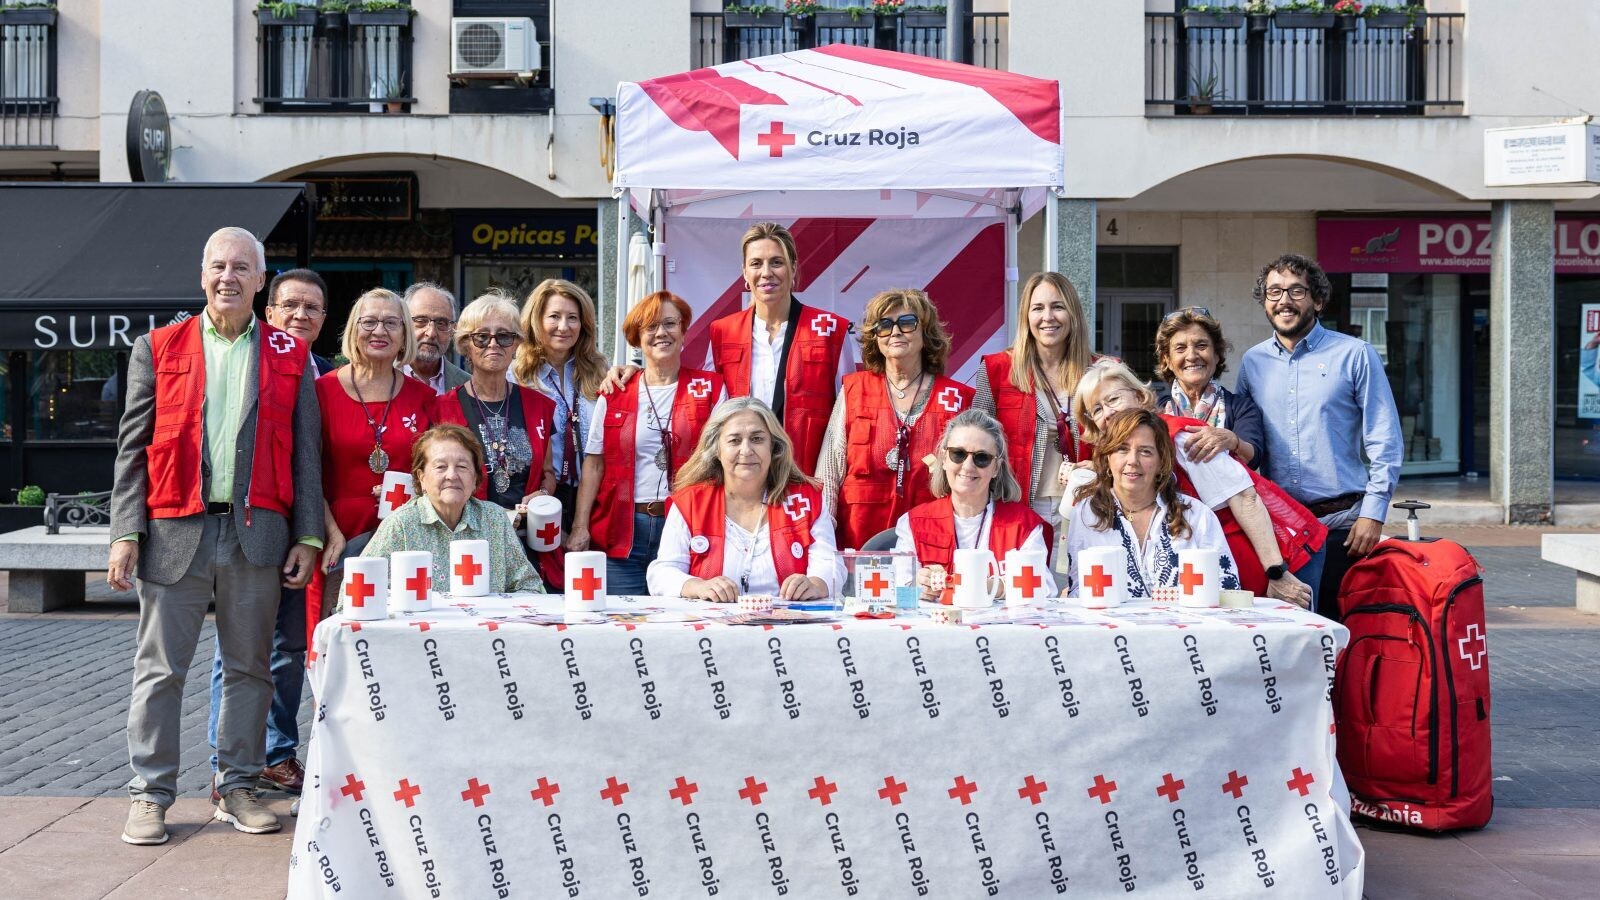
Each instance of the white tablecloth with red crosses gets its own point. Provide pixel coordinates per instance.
(488, 752)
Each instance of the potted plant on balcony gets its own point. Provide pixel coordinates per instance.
(1380, 15)
(1345, 13)
(924, 16)
(1302, 14)
(801, 9)
(381, 13)
(1205, 15)
(393, 92)
(846, 17)
(25, 13)
(736, 16)
(335, 14)
(286, 14)
(1205, 90)
(1260, 14)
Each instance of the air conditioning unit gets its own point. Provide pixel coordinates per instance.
(493, 46)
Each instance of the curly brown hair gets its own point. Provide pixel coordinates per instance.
(1119, 430)
(1316, 280)
(1183, 320)
(935, 340)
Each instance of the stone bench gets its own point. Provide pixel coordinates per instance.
(1582, 553)
(47, 569)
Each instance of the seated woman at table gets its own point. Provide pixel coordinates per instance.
(1134, 503)
(744, 519)
(447, 461)
(1222, 483)
(978, 503)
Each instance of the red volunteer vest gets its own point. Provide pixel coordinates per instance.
(933, 529)
(1017, 412)
(868, 502)
(789, 524)
(808, 397)
(611, 520)
(173, 458)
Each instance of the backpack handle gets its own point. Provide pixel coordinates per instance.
(1413, 524)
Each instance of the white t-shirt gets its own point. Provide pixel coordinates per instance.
(764, 360)
(744, 554)
(970, 532)
(1215, 481)
(650, 483)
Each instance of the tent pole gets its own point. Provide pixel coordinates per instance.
(1013, 221)
(1052, 232)
(658, 245)
(619, 353)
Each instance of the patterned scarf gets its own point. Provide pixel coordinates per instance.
(1211, 409)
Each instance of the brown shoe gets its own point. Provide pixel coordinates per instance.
(288, 775)
(215, 797)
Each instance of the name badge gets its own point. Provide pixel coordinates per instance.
(699, 543)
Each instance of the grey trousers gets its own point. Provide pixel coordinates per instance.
(170, 619)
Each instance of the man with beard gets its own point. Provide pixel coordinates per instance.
(1333, 434)
(433, 318)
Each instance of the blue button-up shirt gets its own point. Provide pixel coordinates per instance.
(558, 438)
(1332, 427)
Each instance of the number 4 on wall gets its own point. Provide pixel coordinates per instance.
(1111, 227)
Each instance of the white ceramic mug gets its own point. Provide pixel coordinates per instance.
(979, 580)
(410, 581)
(396, 491)
(544, 524)
(1026, 573)
(364, 592)
(469, 568)
(1199, 578)
(1102, 577)
(586, 581)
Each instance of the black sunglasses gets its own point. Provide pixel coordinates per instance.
(983, 459)
(1197, 310)
(906, 322)
(503, 338)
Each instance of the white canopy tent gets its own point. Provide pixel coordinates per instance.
(893, 170)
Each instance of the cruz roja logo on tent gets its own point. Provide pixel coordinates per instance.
(777, 139)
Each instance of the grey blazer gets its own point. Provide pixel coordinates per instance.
(454, 375)
(169, 545)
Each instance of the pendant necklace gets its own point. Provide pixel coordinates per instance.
(895, 459)
(378, 459)
(499, 462)
(663, 427)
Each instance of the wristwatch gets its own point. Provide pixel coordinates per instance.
(1276, 572)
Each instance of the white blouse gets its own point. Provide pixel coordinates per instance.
(970, 532)
(1156, 564)
(764, 355)
(744, 555)
(650, 482)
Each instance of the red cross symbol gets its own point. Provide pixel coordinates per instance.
(614, 790)
(1190, 579)
(822, 791)
(684, 792)
(1032, 790)
(775, 139)
(796, 505)
(358, 590)
(281, 341)
(699, 388)
(877, 584)
(1098, 581)
(1169, 788)
(1474, 634)
(419, 584)
(421, 625)
(490, 624)
(1235, 785)
(546, 792)
(963, 790)
(892, 790)
(1027, 582)
(468, 569)
(587, 585)
(397, 496)
(752, 790)
(1102, 789)
(950, 399)
(476, 791)
(824, 325)
(353, 787)
(408, 793)
(1300, 782)
(548, 532)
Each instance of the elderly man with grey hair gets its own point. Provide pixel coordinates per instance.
(217, 497)
(433, 318)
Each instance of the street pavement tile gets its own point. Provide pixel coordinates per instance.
(58, 864)
(1387, 880)
(22, 816)
(1553, 877)
(1554, 832)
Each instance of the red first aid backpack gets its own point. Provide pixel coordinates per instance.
(1411, 693)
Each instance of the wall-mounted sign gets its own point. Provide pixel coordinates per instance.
(84, 329)
(1589, 363)
(1566, 153)
(1442, 244)
(149, 138)
(366, 197)
(499, 232)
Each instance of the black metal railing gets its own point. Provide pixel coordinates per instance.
(328, 63)
(713, 41)
(1259, 67)
(28, 83)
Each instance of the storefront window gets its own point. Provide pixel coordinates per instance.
(72, 395)
(520, 278)
(1577, 414)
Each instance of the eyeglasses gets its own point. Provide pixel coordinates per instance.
(298, 309)
(367, 323)
(439, 323)
(1197, 310)
(481, 339)
(1295, 292)
(983, 459)
(905, 322)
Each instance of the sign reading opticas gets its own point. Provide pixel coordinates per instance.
(533, 233)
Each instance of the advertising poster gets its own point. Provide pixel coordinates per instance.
(1589, 363)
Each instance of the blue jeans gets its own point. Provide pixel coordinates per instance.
(625, 577)
(288, 682)
(1311, 574)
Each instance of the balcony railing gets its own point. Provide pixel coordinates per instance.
(1255, 65)
(334, 62)
(28, 80)
(714, 41)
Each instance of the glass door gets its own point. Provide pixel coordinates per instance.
(1126, 323)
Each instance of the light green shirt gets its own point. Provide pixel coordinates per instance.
(227, 363)
(417, 526)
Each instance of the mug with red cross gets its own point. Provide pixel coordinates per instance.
(469, 568)
(411, 581)
(544, 524)
(1026, 575)
(1102, 577)
(364, 593)
(1199, 577)
(396, 491)
(586, 582)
